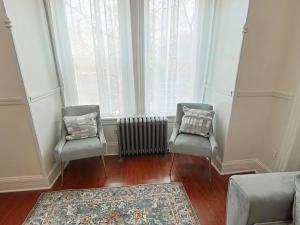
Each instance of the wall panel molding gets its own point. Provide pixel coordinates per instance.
(7, 23)
(219, 90)
(265, 94)
(283, 95)
(12, 101)
(44, 95)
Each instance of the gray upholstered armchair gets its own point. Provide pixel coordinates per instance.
(82, 148)
(190, 144)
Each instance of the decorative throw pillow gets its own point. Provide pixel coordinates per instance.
(196, 121)
(296, 208)
(79, 127)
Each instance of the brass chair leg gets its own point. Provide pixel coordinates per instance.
(62, 165)
(103, 161)
(209, 169)
(173, 156)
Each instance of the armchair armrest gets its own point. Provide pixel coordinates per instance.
(58, 148)
(174, 135)
(101, 132)
(260, 198)
(101, 136)
(214, 144)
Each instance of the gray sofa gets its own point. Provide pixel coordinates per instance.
(261, 199)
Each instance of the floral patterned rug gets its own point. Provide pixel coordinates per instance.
(142, 204)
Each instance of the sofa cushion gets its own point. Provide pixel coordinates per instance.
(296, 207)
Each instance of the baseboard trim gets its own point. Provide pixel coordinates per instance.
(54, 174)
(243, 166)
(30, 183)
(112, 148)
(217, 164)
(23, 183)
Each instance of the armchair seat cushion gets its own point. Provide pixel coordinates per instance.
(192, 145)
(82, 148)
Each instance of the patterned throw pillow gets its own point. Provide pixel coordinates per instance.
(196, 121)
(296, 209)
(79, 127)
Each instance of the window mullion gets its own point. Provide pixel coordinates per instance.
(137, 29)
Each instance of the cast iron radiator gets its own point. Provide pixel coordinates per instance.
(142, 135)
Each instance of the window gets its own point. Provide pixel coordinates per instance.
(174, 32)
(130, 56)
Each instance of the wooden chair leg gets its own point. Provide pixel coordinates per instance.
(173, 156)
(62, 165)
(103, 162)
(209, 169)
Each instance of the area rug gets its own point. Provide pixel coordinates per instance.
(142, 204)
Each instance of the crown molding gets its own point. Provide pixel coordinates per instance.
(220, 91)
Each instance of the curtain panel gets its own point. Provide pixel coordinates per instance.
(132, 57)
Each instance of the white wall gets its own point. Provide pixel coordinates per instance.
(10, 85)
(266, 83)
(293, 162)
(19, 155)
(230, 18)
(289, 149)
(33, 47)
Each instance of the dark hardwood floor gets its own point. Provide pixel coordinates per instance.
(208, 198)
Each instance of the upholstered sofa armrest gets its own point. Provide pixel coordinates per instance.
(60, 145)
(173, 135)
(214, 144)
(259, 198)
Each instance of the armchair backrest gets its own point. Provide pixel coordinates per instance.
(82, 110)
(179, 112)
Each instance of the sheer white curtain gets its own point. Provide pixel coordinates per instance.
(96, 41)
(94, 52)
(177, 34)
